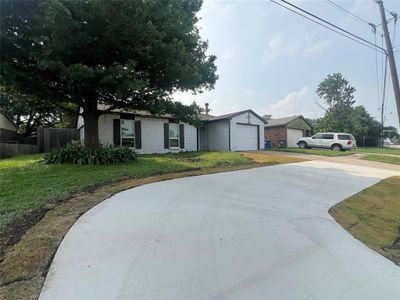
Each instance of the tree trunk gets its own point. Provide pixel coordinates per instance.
(91, 128)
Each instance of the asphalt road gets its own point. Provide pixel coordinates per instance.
(262, 233)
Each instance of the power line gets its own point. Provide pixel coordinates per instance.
(348, 34)
(355, 17)
(329, 23)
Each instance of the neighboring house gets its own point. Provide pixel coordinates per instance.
(147, 133)
(285, 132)
(8, 131)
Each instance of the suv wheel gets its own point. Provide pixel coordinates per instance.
(336, 147)
(302, 145)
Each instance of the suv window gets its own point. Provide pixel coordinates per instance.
(327, 136)
(317, 136)
(344, 137)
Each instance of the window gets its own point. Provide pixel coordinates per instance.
(327, 136)
(317, 136)
(344, 137)
(173, 135)
(128, 133)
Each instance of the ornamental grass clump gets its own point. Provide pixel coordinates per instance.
(77, 153)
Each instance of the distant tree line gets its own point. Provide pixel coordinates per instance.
(341, 114)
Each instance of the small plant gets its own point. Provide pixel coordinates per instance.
(77, 153)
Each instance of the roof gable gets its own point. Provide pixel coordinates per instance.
(285, 121)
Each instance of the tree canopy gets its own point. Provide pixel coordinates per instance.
(341, 114)
(129, 54)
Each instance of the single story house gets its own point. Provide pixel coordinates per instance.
(285, 132)
(148, 133)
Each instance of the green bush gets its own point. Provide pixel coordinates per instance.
(77, 153)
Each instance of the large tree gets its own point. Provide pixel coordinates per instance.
(338, 94)
(29, 112)
(130, 54)
(341, 115)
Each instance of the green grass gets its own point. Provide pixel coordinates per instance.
(383, 158)
(378, 150)
(372, 216)
(324, 152)
(27, 184)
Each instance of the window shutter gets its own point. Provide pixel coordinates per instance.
(166, 136)
(138, 135)
(181, 136)
(117, 132)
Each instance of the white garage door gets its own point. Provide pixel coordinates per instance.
(292, 136)
(246, 137)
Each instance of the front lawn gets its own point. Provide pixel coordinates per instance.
(26, 184)
(388, 159)
(324, 152)
(378, 150)
(373, 217)
(41, 202)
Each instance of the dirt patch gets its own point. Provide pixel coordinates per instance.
(14, 231)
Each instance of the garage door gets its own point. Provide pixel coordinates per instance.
(292, 136)
(246, 137)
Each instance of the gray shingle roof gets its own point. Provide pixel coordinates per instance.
(281, 121)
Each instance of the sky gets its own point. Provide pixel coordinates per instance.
(271, 60)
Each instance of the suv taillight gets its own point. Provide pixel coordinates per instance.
(349, 143)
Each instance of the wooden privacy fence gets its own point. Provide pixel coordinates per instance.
(11, 149)
(51, 138)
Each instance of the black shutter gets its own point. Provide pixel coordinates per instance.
(181, 136)
(166, 136)
(138, 135)
(117, 132)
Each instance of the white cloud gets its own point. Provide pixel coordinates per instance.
(288, 105)
(281, 46)
(316, 48)
(228, 53)
(248, 92)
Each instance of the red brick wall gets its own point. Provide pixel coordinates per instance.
(275, 134)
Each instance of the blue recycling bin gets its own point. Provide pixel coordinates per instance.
(267, 144)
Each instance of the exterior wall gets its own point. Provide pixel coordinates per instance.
(152, 134)
(218, 136)
(7, 135)
(6, 124)
(275, 134)
(243, 118)
(299, 123)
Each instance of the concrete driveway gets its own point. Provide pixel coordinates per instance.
(262, 233)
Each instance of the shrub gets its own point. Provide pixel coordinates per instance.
(77, 153)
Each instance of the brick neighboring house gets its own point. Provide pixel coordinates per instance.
(286, 130)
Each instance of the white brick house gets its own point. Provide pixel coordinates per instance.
(153, 134)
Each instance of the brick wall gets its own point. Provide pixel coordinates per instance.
(275, 134)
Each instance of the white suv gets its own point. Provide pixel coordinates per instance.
(329, 140)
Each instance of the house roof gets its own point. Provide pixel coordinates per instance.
(205, 117)
(284, 121)
(202, 117)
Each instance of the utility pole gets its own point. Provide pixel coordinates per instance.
(383, 102)
(392, 63)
